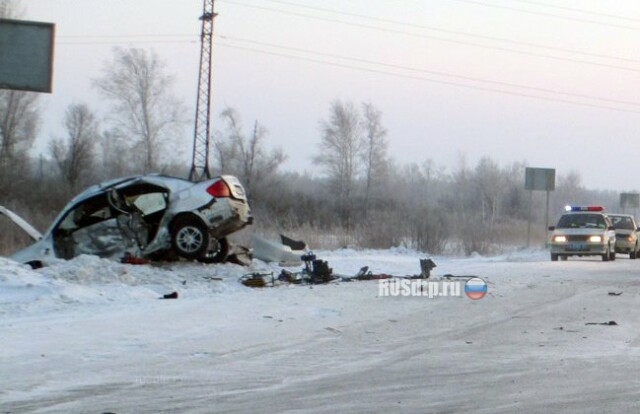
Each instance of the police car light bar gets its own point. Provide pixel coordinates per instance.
(584, 208)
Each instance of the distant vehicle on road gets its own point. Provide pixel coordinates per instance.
(583, 231)
(626, 234)
(151, 216)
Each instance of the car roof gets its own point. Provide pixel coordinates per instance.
(168, 182)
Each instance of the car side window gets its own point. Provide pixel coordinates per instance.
(149, 203)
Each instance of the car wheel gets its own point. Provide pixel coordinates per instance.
(189, 238)
(564, 258)
(633, 253)
(216, 256)
(554, 257)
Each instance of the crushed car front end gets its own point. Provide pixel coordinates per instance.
(151, 216)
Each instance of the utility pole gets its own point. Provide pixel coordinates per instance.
(202, 132)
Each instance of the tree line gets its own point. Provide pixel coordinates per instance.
(359, 197)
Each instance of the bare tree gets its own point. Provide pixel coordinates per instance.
(11, 9)
(570, 190)
(340, 148)
(18, 119)
(226, 151)
(489, 187)
(144, 110)
(75, 154)
(374, 151)
(247, 157)
(112, 151)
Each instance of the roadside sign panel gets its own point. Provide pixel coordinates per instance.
(540, 179)
(629, 200)
(26, 55)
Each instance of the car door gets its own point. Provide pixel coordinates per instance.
(90, 227)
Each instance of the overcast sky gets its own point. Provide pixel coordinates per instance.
(552, 83)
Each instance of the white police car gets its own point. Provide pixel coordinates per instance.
(583, 231)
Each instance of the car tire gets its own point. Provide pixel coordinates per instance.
(554, 257)
(216, 256)
(189, 237)
(564, 258)
(633, 254)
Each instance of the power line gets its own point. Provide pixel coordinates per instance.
(383, 64)
(371, 62)
(556, 16)
(491, 38)
(450, 83)
(431, 72)
(124, 41)
(473, 44)
(574, 9)
(127, 35)
(454, 32)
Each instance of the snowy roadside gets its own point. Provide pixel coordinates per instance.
(91, 335)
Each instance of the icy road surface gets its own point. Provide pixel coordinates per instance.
(90, 336)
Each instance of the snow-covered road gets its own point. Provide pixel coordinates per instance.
(90, 336)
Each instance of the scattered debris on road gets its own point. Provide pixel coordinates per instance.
(610, 323)
(258, 280)
(316, 271)
(172, 295)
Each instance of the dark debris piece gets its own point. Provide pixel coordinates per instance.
(172, 295)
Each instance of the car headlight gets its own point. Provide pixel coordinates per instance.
(631, 237)
(595, 239)
(560, 239)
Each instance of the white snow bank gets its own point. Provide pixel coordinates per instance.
(89, 279)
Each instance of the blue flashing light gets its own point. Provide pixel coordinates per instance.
(584, 208)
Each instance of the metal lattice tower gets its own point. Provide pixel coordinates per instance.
(202, 132)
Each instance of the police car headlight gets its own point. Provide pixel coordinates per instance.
(595, 239)
(560, 239)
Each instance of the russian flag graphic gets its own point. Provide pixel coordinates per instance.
(475, 288)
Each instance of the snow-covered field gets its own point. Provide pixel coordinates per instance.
(91, 336)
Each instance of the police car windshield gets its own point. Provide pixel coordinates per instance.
(622, 222)
(578, 221)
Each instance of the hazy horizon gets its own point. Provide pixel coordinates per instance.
(518, 81)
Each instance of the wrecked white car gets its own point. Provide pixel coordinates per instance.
(153, 216)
